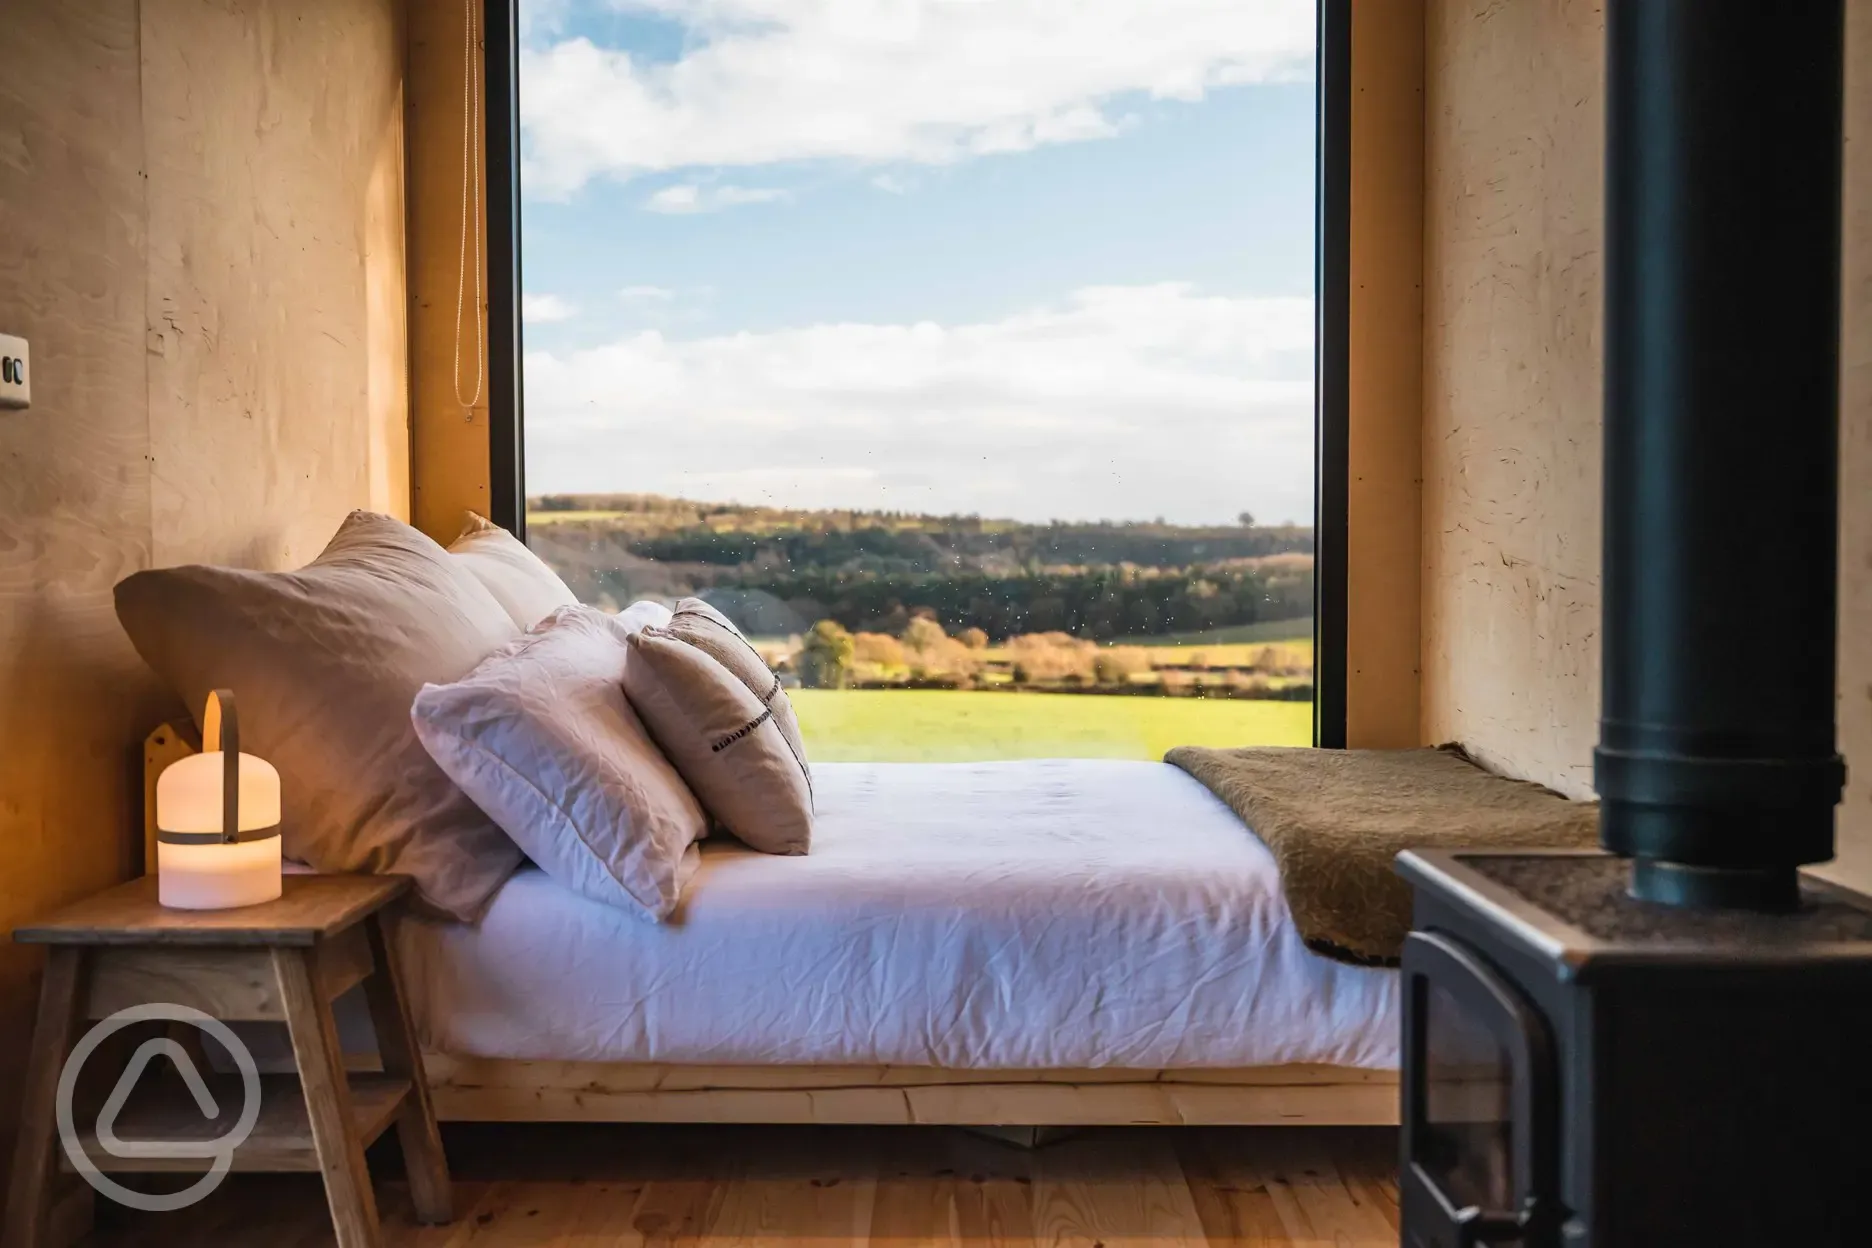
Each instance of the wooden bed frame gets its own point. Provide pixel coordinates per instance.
(496, 1090)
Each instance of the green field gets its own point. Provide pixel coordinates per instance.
(1300, 630)
(939, 726)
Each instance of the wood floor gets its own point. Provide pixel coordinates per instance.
(586, 1186)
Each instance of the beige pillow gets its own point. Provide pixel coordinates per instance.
(520, 581)
(541, 737)
(708, 630)
(722, 739)
(325, 663)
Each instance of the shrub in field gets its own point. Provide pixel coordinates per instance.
(923, 633)
(950, 660)
(936, 659)
(1284, 660)
(973, 638)
(879, 648)
(1042, 658)
(1116, 665)
(826, 658)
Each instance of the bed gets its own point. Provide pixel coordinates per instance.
(1056, 942)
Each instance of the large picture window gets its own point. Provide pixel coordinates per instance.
(967, 355)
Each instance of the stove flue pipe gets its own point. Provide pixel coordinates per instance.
(1717, 766)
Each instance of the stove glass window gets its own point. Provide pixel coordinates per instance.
(1467, 1138)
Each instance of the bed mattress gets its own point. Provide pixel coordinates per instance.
(1016, 915)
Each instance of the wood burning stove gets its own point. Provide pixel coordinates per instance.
(1670, 1043)
(1583, 1068)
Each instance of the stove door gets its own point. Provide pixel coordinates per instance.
(1479, 1104)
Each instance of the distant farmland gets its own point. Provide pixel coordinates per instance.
(1298, 630)
(777, 572)
(963, 637)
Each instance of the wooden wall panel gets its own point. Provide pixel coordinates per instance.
(1511, 448)
(1385, 453)
(1512, 404)
(269, 127)
(1855, 658)
(74, 486)
(218, 362)
(449, 456)
(386, 294)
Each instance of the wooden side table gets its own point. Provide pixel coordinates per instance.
(283, 961)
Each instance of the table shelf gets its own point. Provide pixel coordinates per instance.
(281, 1138)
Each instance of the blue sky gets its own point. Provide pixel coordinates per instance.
(1017, 258)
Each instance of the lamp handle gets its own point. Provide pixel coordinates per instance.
(221, 731)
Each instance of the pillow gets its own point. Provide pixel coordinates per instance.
(325, 662)
(708, 630)
(722, 739)
(637, 617)
(520, 581)
(541, 737)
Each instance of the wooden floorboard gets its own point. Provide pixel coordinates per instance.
(583, 1186)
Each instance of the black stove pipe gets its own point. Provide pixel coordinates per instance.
(1717, 767)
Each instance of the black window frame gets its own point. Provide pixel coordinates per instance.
(1332, 348)
(1331, 340)
(500, 49)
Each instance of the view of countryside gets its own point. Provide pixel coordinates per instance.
(960, 353)
(905, 634)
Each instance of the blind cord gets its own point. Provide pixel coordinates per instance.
(471, 191)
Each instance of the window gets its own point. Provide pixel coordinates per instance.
(964, 354)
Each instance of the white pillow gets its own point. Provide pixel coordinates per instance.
(541, 737)
(639, 616)
(520, 581)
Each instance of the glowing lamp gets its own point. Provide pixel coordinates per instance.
(217, 821)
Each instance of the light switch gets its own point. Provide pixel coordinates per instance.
(15, 379)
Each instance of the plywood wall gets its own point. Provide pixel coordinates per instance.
(1855, 656)
(74, 477)
(201, 234)
(1385, 412)
(274, 156)
(1514, 151)
(450, 471)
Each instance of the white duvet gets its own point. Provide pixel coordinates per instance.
(1004, 915)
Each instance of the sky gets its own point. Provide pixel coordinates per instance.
(1041, 259)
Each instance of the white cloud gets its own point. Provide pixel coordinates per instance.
(646, 294)
(688, 197)
(685, 198)
(1117, 401)
(929, 81)
(890, 184)
(543, 309)
(540, 18)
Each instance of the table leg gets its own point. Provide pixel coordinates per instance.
(396, 1046)
(30, 1194)
(328, 1099)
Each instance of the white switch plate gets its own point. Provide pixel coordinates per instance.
(15, 373)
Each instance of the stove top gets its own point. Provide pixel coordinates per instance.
(1590, 892)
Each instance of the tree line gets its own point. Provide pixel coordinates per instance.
(1098, 604)
(1032, 547)
(924, 657)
